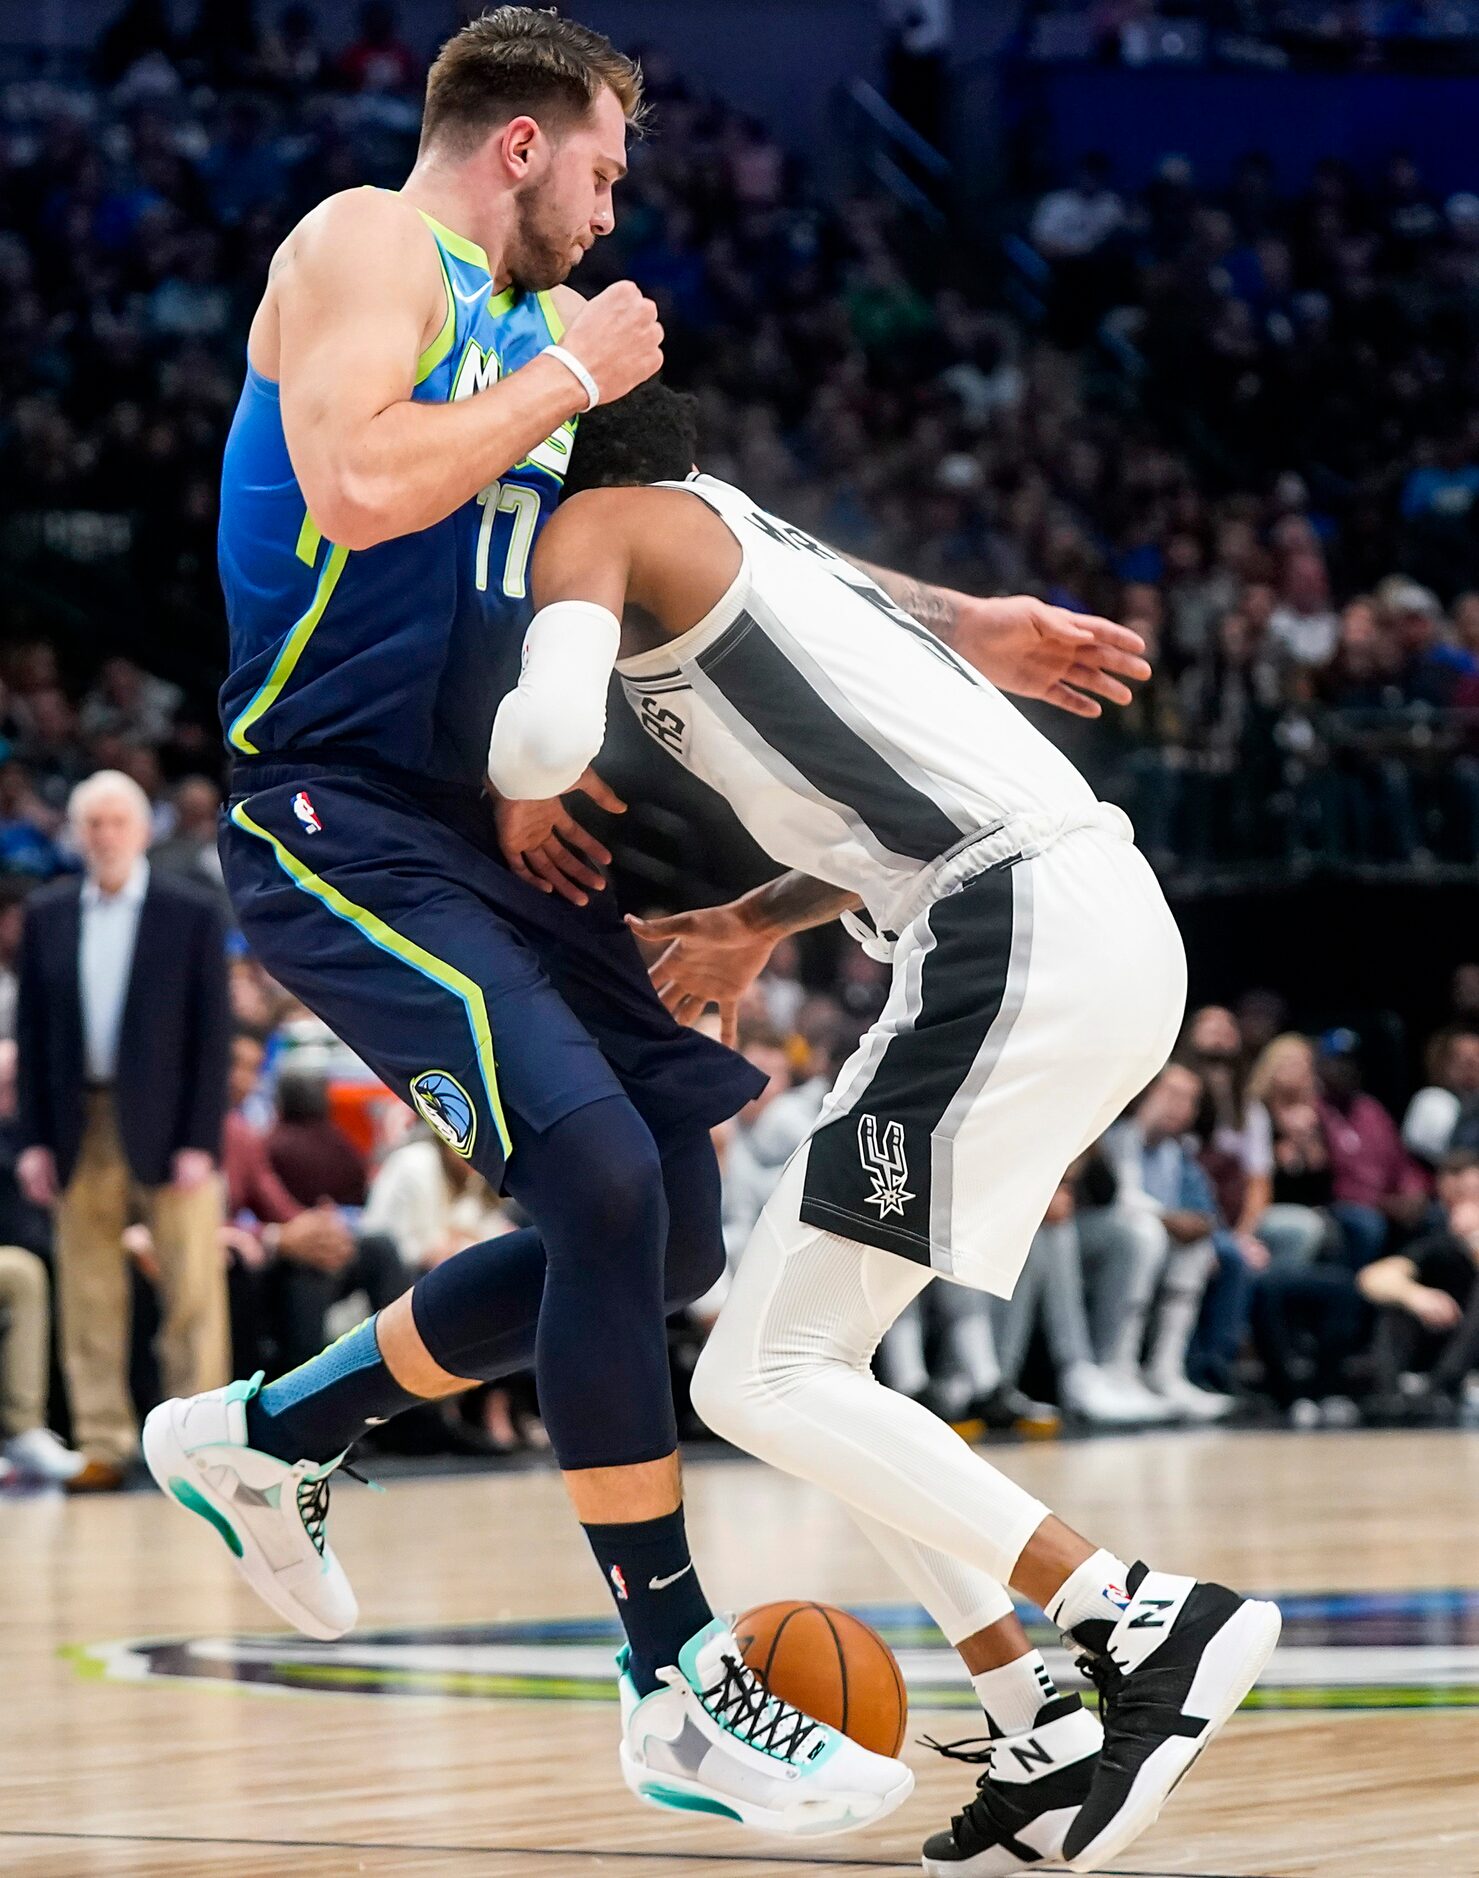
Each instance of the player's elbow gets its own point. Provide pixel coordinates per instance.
(532, 758)
(350, 510)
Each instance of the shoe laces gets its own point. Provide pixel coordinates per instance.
(1130, 1705)
(984, 1822)
(313, 1501)
(742, 1704)
(313, 1509)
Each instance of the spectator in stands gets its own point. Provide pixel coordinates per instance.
(428, 1201)
(1452, 1096)
(1239, 1157)
(751, 1155)
(1161, 1179)
(379, 60)
(1283, 1080)
(1428, 1336)
(13, 892)
(1090, 1280)
(310, 1154)
(1076, 229)
(190, 848)
(1429, 666)
(333, 1256)
(30, 1449)
(1304, 627)
(1377, 1191)
(127, 701)
(123, 1030)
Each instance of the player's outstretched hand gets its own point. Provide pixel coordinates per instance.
(618, 339)
(545, 845)
(1035, 650)
(711, 956)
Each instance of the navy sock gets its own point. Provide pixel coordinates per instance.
(324, 1405)
(658, 1597)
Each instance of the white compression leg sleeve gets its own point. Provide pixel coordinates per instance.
(785, 1375)
(961, 1599)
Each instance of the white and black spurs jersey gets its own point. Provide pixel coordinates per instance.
(851, 742)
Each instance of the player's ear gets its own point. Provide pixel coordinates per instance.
(519, 146)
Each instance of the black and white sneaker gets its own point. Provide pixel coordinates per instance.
(1026, 1799)
(1170, 1673)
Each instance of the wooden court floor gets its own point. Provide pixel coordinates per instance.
(154, 1720)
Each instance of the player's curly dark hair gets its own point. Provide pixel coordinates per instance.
(649, 436)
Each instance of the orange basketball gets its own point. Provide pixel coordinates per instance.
(829, 1664)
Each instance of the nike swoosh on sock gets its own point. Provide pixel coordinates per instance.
(661, 1584)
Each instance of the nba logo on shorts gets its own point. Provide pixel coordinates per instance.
(445, 1106)
(307, 813)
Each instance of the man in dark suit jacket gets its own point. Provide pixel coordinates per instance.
(123, 1028)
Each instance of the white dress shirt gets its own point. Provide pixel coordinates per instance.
(110, 928)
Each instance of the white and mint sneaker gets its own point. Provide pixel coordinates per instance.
(270, 1514)
(715, 1740)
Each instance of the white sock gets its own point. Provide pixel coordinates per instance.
(1096, 1589)
(1012, 1695)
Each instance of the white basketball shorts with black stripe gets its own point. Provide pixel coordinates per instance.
(1028, 1008)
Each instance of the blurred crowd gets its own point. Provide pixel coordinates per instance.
(1235, 417)
(1258, 1237)
(1306, 35)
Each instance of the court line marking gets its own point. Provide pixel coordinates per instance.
(552, 1851)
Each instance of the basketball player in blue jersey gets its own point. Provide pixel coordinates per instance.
(415, 373)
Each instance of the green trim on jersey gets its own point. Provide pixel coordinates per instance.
(406, 950)
(309, 541)
(551, 316)
(292, 650)
(454, 243)
(432, 357)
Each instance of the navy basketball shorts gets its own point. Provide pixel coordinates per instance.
(475, 997)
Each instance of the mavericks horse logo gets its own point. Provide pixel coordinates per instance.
(443, 1103)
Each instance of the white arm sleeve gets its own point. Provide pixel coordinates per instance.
(550, 727)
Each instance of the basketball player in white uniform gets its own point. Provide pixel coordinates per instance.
(1038, 984)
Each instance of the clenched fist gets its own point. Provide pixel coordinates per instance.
(618, 340)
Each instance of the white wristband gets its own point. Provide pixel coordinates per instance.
(573, 365)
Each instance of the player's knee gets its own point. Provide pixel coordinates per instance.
(610, 1178)
(721, 1392)
(695, 1263)
(745, 1389)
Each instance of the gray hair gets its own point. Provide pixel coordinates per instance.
(108, 782)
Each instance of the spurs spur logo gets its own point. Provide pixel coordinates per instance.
(881, 1151)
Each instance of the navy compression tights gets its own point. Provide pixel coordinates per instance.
(623, 1236)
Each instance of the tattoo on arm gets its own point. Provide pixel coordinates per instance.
(793, 902)
(933, 607)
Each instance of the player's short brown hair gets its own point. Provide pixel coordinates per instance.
(518, 60)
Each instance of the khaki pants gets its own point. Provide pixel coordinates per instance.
(94, 1286)
(25, 1341)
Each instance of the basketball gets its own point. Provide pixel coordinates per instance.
(829, 1664)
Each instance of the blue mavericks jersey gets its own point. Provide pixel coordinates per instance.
(396, 654)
